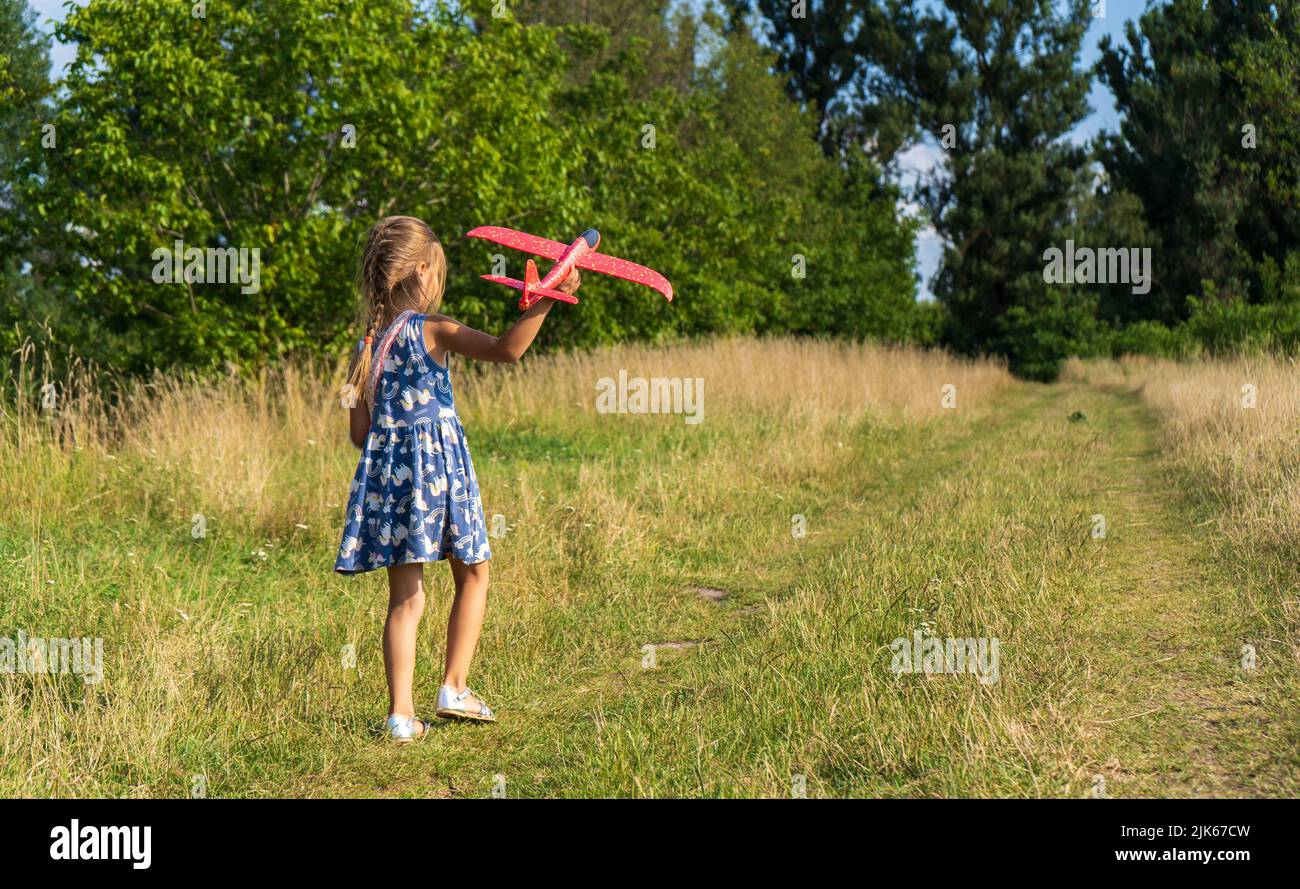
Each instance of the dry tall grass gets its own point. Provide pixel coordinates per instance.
(1234, 425)
(265, 452)
(805, 380)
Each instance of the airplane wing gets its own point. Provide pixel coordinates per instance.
(628, 271)
(508, 237)
(595, 262)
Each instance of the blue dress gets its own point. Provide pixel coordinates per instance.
(414, 497)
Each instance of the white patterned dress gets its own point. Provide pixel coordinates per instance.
(414, 497)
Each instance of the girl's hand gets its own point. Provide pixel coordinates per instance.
(571, 284)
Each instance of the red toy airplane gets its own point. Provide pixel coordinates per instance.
(581, 253)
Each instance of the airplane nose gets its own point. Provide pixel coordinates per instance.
(592, 237)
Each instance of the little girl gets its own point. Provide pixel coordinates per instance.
(414, 498)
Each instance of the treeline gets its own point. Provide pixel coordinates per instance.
(1203, 176)
(290, 126)
(746, 149)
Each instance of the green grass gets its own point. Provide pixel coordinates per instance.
(1120, 657)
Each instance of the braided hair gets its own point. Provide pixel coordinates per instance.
(389, 284)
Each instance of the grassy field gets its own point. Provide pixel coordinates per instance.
(679, 609)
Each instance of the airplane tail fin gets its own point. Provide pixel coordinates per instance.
(531, 280)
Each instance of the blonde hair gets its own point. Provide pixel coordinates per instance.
(389, 284)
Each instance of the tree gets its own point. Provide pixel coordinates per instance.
(834, 55)
(996, 83)
(24, 89)
(665, 39)
(24, 85)
(1208, 93)
(1269, 72)
(284, 127)
(288, 127)
(729, 191)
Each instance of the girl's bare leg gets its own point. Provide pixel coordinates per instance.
(405, 605)
(466, 620)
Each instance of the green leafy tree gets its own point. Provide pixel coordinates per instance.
(664, 38)
(861, 280)
(729, 191)
(287, 127)
(290, 126)
(24, 85)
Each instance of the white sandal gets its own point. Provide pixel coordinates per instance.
(401, 729)
(451, 705)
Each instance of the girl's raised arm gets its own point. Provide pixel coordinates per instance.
(443, 334)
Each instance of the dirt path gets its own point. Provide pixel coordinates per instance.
(1184, 717)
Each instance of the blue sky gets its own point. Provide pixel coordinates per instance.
(919, 160)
